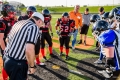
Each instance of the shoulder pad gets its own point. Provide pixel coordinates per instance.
(107, 37)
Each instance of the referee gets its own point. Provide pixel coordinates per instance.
(85, 27)
(20, 50)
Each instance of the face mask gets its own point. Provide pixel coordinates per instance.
(118, 26)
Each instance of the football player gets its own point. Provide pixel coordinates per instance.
(45, 33)
(66, 28)
(7, 20)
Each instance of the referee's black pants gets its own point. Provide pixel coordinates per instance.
(16, 69)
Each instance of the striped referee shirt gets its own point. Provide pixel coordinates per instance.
(23, 32)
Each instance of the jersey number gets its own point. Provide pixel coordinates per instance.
(62, 29)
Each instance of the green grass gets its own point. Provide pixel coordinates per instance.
(75, 57)
(73, 62)
(92, 9)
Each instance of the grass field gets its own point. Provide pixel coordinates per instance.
(71, 63)
(92, 9)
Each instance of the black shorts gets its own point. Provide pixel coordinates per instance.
(84, 29)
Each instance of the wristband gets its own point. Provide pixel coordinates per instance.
(33, 66)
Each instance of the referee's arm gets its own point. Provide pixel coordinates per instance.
(30, 54)
(32, 38)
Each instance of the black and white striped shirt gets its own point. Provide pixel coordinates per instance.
(22, 32)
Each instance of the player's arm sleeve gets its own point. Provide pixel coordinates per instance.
(72, 25)
(19, 18)
(33, 34)
(57, 24)
(2, 27)
(107, 38)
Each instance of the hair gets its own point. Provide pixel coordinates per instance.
(101, 9)
(35, 17)
(87, 9)
(76, 5)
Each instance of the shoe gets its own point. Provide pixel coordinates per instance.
(52, 55)
(66, 57)
(108, 70)
(41, 64)
(73, 48)
(45, 58)
(80, 42)
(97, 49)
(85, 43)
(104, 56)
(61, 54)
(113, 68)
(98, 62)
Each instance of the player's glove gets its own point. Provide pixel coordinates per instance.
(96, 34)
(70, 34)
(58, 33)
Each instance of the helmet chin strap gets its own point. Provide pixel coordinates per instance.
(118, 18)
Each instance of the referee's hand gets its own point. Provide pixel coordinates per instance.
(32, 70)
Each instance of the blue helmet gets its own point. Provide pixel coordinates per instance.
(65, 14)
(99, 26)
(46, 12)
(115, 13)
(6, 8)
(94, 18)
(31, 8)
(105, 15)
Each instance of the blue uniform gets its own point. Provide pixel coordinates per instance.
(108, 39)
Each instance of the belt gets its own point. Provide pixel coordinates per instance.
(15, 59)
(44, 31)
(85, 24)
(64, 35)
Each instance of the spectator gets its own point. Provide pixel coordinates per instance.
(101, 11)
(7, 20)
(85, 27)
(77, 17)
